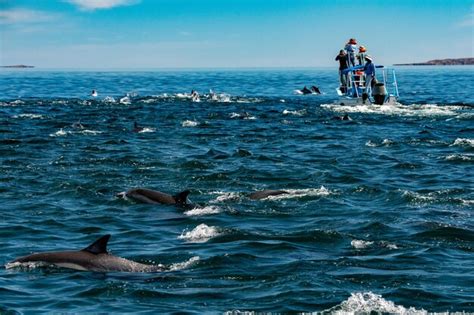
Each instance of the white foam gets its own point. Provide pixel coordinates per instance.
(185, 264)
(360, 244)
(298, 193)
(189, 123)
(370, 144)
(27, 265)
(200, 234)
(460, 157)
(420, 197)
(397, 109)
(295, 112)
(463, 142)
(368, 302)
(147, 129)
(31, 116)
(90, 132)
(387, 142)
(109, 99)
(59, 133)
(203, 211)
(225, 196)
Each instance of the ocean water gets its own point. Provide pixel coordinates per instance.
(378, 215)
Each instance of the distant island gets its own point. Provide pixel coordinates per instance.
(18, 66)
(441, 62)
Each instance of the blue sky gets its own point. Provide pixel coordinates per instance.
(229, 33)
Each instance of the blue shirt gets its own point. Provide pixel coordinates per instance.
(369, 69)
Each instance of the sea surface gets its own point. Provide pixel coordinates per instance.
(378, 214)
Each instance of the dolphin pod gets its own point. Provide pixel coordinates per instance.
(157, 197)
(92, 258)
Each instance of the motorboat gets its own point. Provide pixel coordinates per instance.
(384, 88)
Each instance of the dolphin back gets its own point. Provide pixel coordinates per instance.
(262, 194)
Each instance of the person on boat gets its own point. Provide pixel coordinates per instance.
(369, 71)
(351, 48)
(342, 58)
(361, 55)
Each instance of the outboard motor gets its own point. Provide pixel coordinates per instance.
(379, 93)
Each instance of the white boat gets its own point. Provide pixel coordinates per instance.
(384, 92)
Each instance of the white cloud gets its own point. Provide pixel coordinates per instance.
(101, 4)
(23, 16)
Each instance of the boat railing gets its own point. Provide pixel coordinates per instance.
(355, 80)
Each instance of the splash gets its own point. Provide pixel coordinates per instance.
(225, 196)
(203, 211)
(59, 133)
(185, 264)
(360, 244)
(189, 123)
(295, 112)
(147, 129)
(298, 193)
(200, 234)
(368, 302)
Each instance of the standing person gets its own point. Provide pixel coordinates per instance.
(369, 71)
(342, 58)
(361, 55)
(351, 48)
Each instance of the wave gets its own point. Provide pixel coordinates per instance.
(460, 157)
(361, 244)
(198, 211)
(185, 264)
(224, 196)
(61, 132)
(368, 302)
(299, 193)
(200, 234)
(462, 142)
(31, 116)
(398, 109)
(301, 112)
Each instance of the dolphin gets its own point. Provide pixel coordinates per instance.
(92, 258)
(154, 196)
(137, 128)
(262, 194)
(315, 89)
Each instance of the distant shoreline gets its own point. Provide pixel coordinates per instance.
(18, 66)
(441, 62)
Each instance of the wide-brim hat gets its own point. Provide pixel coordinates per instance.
(368, 58)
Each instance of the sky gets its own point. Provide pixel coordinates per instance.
(146, 34)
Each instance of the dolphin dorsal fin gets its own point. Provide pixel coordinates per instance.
(182, 197)
(99, 246)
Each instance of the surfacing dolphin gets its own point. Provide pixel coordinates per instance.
(92, 258)
(262, 194)
(157, 197)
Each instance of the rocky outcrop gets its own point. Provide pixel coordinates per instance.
(441, 62)
(18, 66)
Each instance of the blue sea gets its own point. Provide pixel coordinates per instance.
(378, 215)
